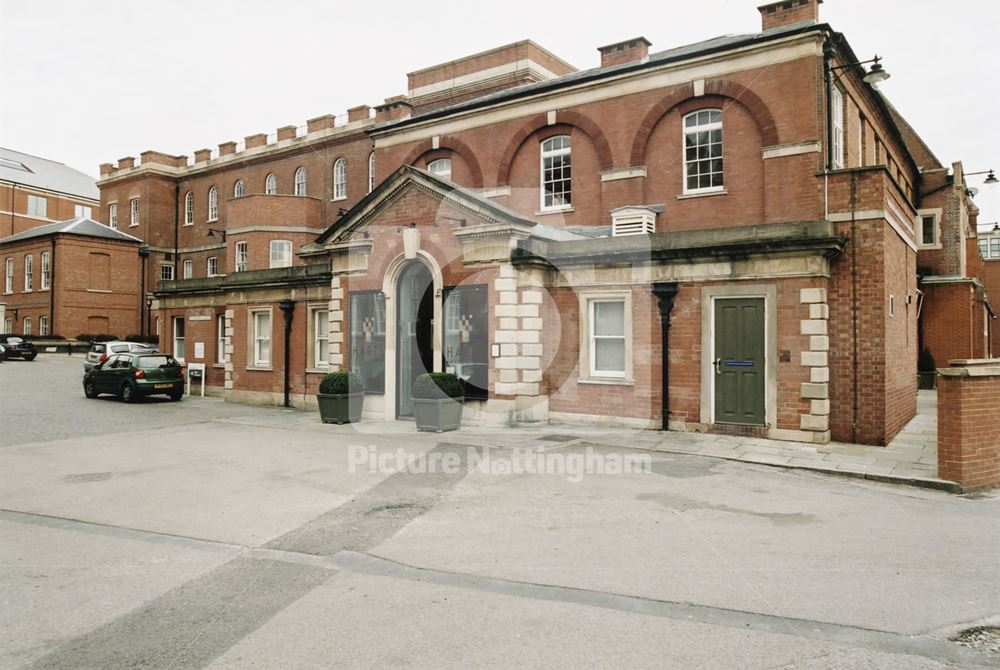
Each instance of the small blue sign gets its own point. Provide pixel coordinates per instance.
(738, 364)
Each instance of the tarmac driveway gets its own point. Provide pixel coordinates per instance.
(201, 534)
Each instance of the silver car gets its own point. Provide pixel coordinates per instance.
(100, 351)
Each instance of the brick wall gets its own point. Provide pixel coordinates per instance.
(14, 201)
(968, 430)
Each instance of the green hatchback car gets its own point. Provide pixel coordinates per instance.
(132, 376)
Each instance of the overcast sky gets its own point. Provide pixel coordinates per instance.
(87, 82)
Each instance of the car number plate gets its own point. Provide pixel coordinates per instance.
(162, 386)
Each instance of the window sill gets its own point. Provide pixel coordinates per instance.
(187, 225)
(98, 290)
(317, 371)
(219, 366)
(706, 194)
(259, 368)
(928, 247)
(132, 225)
(554, 210)
(340, 199)
(607, 381)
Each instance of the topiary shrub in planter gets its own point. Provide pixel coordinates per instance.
(927, 375)
(437, 401)
(341, 398)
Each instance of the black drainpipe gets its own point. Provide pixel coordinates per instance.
(52, 288)
(143, 308)
(665, 293)
(287, 308)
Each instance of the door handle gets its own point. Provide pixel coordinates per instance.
(717, 364)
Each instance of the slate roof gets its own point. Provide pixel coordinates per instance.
(31, 170)
(78, 226)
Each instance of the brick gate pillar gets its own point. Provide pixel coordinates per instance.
(968, 425)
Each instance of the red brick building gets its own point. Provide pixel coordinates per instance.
(36, 191)
(721, 236)
(69, 278)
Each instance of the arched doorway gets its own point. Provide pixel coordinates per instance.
(414, 331)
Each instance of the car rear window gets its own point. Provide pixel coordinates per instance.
(119, 347)
(153, 362)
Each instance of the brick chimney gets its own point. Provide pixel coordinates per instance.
(787, 12)
(627, 51)
(359, 113)
(395, 108)
(106, 169)
(286, 133)
(202, 155)
(324, 122)
(258, 140)
(227, 148)
(126, 162)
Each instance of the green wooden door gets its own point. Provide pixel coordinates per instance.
(739, 360)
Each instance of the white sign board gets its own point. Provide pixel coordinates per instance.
(199, 350)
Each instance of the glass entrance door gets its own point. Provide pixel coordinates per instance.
(415, 340)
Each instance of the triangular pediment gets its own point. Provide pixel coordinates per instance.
(406, 180)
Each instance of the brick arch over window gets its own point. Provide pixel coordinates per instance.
(450, 143)
(539, 123)
(722, 88)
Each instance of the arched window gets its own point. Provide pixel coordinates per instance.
(300, 181)
(441, 168)
(239, 189)
(371, 172)
(271, 185)
(213, 203)
(703, 151)
(189, 209)
(340, 179)
(557, 192)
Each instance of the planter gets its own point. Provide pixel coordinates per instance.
(340, 407)
(438, 415)
(927, 380)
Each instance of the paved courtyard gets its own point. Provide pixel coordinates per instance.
(202, 534)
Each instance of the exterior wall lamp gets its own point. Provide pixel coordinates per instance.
(213, 231)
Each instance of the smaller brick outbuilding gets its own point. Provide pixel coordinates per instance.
(71, 277)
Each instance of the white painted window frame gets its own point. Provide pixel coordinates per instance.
(549, 154)
(241, 256)
(220, 339)
(301, 181)
(29, 273)
(45, 261)
(212, 266)
(188, 271)
(282, 262)
(43, 326)
(166, 272)
(258, 337)
(113, 215)
(270, 184)
(320, 328)
(693, 130)
(239, 189)
(440, 170)
(371, 172)
(213, 204)
(919, 228)
(38, 206)
(133, 208)
(837, 123)
(340, 179)
(175, 339)
(189, 209)
(82, 211)
(588, 373)
(26, 326)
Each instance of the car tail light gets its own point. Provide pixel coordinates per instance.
(140, 374)
(103, 358)
(180, 373)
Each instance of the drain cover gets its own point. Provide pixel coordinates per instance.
(87, 477)
(983, 638)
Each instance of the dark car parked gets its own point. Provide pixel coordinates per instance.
(16, 346)
(132, 376)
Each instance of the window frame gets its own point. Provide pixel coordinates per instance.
(923, 214)
(340, 179)
(371, 172)
(694, 130)
(29, 273)
(187, 269)
(239, 189)
(34, 210)
(212, 266)
(26, 326)
(45, 266)
(550, 154)
(43, 326)
(587, 360)
(837, 128)
(113, 215)
(320, 339)
(189, 209)
(213, 204)
(300, 181)
(440, 175)
(82, 211)
(254, 359)
(8, 287)
(241, 256)
(270, 184)
(270, 256)
(133, 206)
(166, 269)
(220, 339)
(995, 247)
(174, 339)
